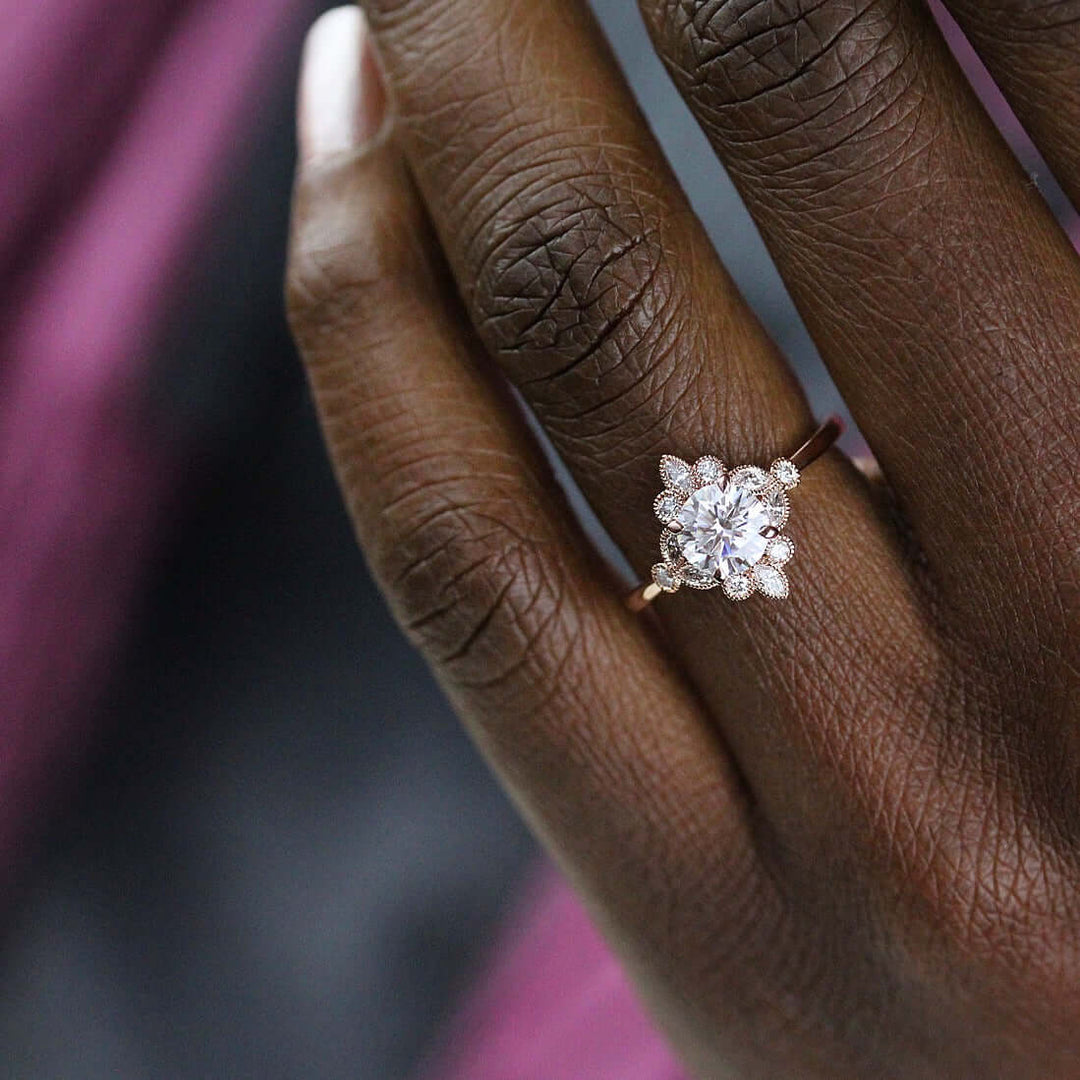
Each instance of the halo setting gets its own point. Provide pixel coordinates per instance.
(723, 528)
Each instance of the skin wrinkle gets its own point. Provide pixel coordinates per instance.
(577, 277)
(593, 269)
(487, 164)
(422, 563)
(708, 61)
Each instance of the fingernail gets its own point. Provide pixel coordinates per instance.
(342, 103)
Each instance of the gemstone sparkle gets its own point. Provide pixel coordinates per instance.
(722, 529)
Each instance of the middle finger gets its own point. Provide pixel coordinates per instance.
(941, 292)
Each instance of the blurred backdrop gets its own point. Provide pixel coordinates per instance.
(241, 833)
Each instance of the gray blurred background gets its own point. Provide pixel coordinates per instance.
(286, 860)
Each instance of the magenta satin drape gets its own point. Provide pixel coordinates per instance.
(119, 123)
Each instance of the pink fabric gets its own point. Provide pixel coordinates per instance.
(121, 121)
(554, 1005)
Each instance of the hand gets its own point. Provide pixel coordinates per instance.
(837, 836)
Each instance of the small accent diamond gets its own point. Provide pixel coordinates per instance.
(675, 473)
(708, 470)
(667, 506)
(770, 581)
(780, 550)
(785, 473)
(751, 477)
(665, 577)
(777, 507)
(697, 579)
(738, 586)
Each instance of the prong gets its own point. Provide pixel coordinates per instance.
(768, 532)
(674, 526)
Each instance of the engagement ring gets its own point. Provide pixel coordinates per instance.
(724, 528)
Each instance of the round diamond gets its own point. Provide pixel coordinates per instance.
(667, 506)
(738, 586)
(780, 550)
(708, 470)
(722, 529)
(785, 473)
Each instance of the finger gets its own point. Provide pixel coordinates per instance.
(1031, 48)
(584, 270)
(937, 286)
(547, 190)
(600, 743)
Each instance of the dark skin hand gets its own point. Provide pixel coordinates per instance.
(835, 836)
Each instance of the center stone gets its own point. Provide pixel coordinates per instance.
(722, 529)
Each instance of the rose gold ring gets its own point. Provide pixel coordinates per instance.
(723, 528)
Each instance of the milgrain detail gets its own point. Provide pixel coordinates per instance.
(473, 582)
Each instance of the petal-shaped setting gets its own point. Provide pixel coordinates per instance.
(667, 505)
(785, 473)
(751, 477)
(676, 473)
(665, 577)
(780, 550)
(724, 528)
(770, 581)
(708, 470)
(777, 507)
(738, 586)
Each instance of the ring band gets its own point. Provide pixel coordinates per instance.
(723, 527)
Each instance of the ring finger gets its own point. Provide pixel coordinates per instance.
(595, 289)
(598, 293)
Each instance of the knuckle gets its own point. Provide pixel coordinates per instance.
(764, 68)
(474, 581)
(572, 289)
